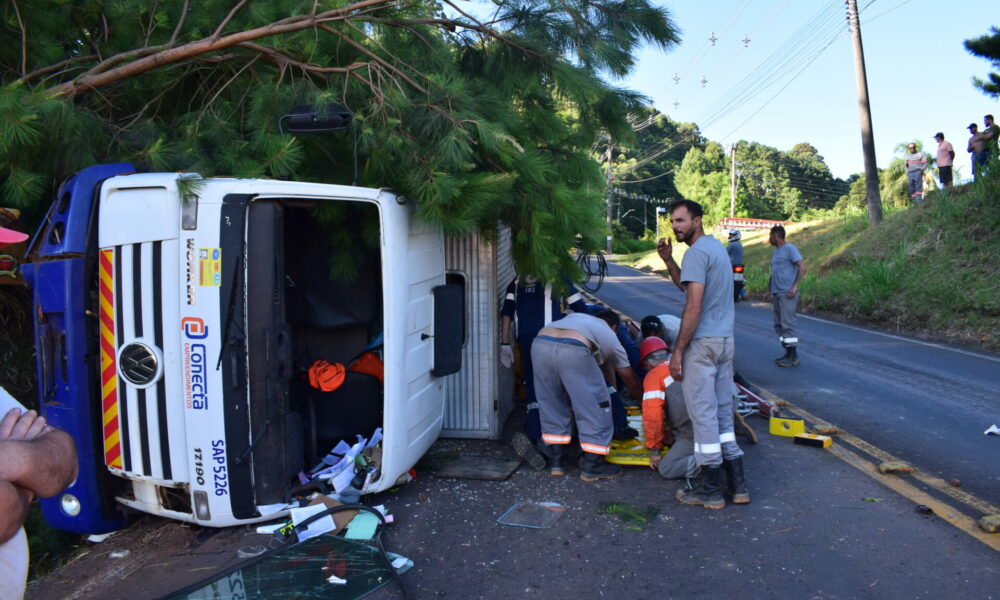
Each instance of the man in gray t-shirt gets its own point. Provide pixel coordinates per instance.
(703, 356)
(787, 271)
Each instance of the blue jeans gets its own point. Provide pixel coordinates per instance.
(979, 162)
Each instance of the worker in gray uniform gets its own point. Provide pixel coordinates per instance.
(787, 271)
(702, 356)
(575, 360)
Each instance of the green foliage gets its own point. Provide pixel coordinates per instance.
(987, 47)
(633, 517)
(645, 169)
(704, 178)
(477, 122)
(931, 268)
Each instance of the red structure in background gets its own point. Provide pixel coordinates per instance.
(746, 224)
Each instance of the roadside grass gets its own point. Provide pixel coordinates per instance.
(48, 548)
(930, 269)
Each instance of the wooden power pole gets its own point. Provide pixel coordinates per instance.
(607, 182)
(732, 180)
(874, 198)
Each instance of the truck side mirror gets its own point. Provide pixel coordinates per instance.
(449, 328)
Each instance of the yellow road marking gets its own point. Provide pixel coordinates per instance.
(937, 483)
(899, 484)
(895, 482)
(907, 490)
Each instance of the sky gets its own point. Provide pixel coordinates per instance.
(795, 81)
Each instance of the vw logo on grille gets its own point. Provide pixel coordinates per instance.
(137, 363)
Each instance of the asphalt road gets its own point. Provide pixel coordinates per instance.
(819, 526)
(924, 402)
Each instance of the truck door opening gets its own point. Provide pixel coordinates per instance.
(314, 292)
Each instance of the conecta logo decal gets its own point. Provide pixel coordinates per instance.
(195, 361)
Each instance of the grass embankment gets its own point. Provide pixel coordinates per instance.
(932, 270)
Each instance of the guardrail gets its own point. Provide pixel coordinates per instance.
(727, 223)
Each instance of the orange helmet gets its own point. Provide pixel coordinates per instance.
(326, 376)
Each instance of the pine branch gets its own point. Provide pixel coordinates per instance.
(145, 59)
(24, 38)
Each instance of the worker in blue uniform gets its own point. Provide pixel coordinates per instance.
(533, 305)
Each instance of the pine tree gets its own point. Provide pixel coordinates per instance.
(478, 120)
(987, 47)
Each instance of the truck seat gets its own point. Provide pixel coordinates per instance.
(355, 408)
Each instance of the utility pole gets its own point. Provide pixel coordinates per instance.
(732, 180)
(607, 183)
(867, 137)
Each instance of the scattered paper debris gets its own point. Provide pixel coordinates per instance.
(336, 580)
(97, 538)
(993, 430)
(317, 527)
(118, 554)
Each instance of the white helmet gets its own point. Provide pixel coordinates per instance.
(735, 235)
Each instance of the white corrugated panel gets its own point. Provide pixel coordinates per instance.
(479, 398)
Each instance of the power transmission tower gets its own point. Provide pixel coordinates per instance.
(874, 198)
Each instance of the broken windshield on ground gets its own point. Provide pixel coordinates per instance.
(326, 566)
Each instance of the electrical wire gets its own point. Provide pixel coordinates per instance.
(583, 259)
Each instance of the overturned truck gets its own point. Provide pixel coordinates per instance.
(175, 317)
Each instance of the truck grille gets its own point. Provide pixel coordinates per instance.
(134, 388)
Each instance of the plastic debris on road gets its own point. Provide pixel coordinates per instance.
(535, 515)
(993, 430)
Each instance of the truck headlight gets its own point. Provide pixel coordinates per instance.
(69, 504)
(189, 212)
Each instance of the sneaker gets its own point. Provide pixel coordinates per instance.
(524, 448)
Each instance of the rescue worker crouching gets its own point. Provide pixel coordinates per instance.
(664, 397)
(575, 358)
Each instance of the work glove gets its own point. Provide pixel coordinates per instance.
(506, 355)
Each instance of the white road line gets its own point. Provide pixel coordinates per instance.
(903, 339)
(871, 331)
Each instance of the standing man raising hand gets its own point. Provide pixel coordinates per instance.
(703, 354)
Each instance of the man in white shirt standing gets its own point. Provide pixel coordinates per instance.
(35, 460)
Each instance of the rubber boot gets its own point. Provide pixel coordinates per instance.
(736, 481)
(557, 459)
(526, 449)
(708, 492)
(790, 359)
(594, 467)
(780, 358)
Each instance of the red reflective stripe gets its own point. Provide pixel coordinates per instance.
(548, 438)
